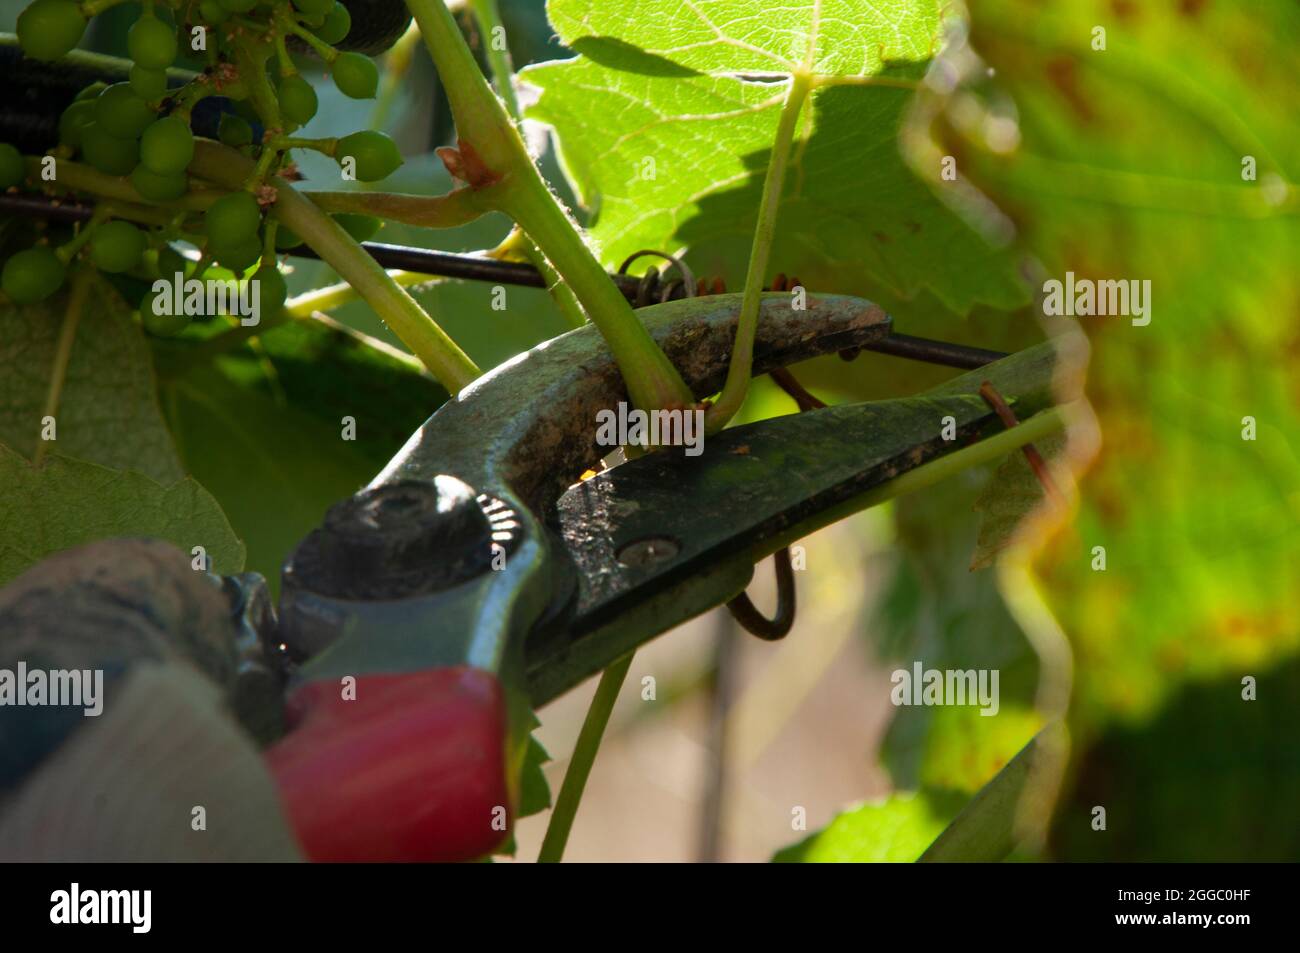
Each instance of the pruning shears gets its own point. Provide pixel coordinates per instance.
(478, 577)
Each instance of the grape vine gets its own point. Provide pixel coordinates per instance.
(131, 145)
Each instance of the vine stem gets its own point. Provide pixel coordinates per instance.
(584, 756)
(488, 15)
(458, 207)
(396, 63)
(489, 141)
(455, 208)
(418, 331)
(335, 296)
(63, 353)
(310, 306)
(68, 251)
(252, 69)
(742, 354)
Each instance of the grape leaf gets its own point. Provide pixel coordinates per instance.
(108, 412)
(66, 502)
(1170, 157)
(1132, 165)
(936, 611)
(265, 430)
(1011, 494)
(534, 792)
(987, 829)
(667, 116)
(896, 829)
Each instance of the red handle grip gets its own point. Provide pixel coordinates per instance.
(412, 768)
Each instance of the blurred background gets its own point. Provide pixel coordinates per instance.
(1121, 162)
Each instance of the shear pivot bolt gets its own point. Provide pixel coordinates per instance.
(647, 552)
(404, 537)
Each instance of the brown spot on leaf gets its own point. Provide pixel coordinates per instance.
(1124, 9)
(1063, 73)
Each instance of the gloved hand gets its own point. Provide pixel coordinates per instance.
(164, 771)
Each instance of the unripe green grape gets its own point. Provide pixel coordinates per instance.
(171, 263)
(374, 153)
(337, 25)
(92, 91)
(356, 76)
(32, 275)
(156, 187)
(49, 29)
(12, 168)
(163, 325)
(239, 257)
(167, 146)
(210, 11)
(238, 6)
(73, 123)
(360, 227)
(232, 220)
(313, 7)
(286, 238)
(121, 112)
(234, 131)
(149, 84)
(271, 290)
(106, 152)
(152, 43)
(116, 246)
(297, 99)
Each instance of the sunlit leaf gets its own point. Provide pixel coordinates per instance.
(667, 117)
(897, 829)
(988, 827)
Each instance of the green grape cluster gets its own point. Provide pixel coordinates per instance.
(140, 130)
